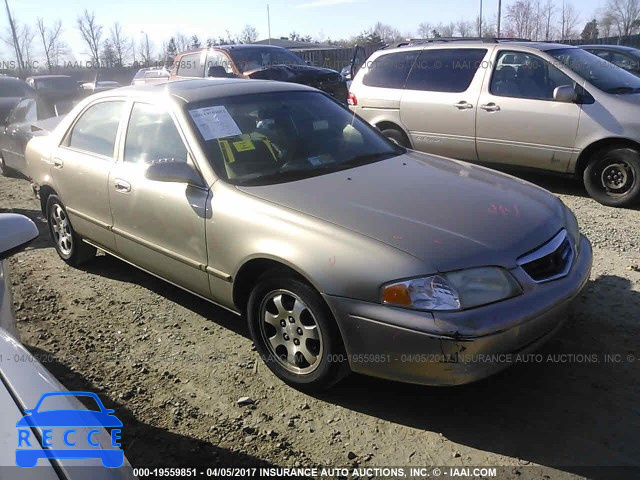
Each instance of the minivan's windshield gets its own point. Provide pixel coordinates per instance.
(251, 58)
(597, 71)
(269, 138)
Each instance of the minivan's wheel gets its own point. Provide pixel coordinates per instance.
(612, 177)
(396, 136)
(294, 332)
(67, 242)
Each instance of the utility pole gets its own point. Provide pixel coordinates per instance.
(499, 16)
(480, 21)
(563, 12)
(15, 39)
(269, 23)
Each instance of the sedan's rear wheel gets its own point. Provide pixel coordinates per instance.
(295, 333)
(613, 177)
(68, 244)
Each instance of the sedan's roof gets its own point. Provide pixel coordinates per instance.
(196, 90)
(623, 48)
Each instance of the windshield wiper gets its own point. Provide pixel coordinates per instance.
(623, 90)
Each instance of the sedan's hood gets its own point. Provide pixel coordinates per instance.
(450, 214)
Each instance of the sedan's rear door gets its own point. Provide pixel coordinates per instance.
(159, 226)
(81, 165)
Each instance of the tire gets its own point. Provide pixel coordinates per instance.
(67, 242)
(396, 136)
(298, 314)
(4, 170)
(612, 177)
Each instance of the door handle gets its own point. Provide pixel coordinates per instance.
(58, 163)
(490, 107)
(463, 105)
(122, 186)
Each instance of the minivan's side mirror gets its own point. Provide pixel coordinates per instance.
(16, 232)
(175, 171)
(565, 94)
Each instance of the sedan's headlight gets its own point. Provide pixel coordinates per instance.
(454, 290)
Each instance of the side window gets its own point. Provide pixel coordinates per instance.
(623, 61)
(445, 70)
(152, 135)
(533, 78)
(190, 66)
(97, 128)
(24, 112)
(219, 60)
(390, 71)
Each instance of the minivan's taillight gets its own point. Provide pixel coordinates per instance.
(352, 100)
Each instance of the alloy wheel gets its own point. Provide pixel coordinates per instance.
(61, 230)
(290, 332)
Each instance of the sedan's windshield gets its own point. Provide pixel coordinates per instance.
(276, 137)
(252, 58)
(597, 71)
(56, 84)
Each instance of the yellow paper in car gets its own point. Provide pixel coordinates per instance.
(244, 145)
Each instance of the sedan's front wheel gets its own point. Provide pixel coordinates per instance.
(295, 333)
(68, 243)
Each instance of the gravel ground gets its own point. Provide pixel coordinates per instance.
(174, 367)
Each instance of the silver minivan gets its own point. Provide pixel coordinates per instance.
(524, 104)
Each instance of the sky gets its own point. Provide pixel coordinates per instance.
(322, 19)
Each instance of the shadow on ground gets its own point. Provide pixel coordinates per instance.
(562, 412)
(147, 445)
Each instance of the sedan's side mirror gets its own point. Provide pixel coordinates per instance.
(565, 94)
(175, 171)
(17, 231)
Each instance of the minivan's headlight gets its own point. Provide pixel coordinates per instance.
(454, 290)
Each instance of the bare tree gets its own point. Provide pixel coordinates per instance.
(424, 30)
(521, 17)
(182, 42)
(569, 19)
(387, 33)
(145, 49)
(464, 28)
(625, 14)
(52, 43)
(121, 44)
(547, 16)
(248, 34)
(91, 33)
(605, 25)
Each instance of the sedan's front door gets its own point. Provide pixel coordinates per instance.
(518, 122)
(80, 170)
(159, 226)
(440, 99)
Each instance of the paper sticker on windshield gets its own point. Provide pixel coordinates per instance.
(244, 145)
(214, 122)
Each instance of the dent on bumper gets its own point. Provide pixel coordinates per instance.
(418, 347)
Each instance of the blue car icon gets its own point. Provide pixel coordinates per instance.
(67, 419)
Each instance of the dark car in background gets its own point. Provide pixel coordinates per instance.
(627, 58)
(11, 91)
(20, 127)
(258, 62)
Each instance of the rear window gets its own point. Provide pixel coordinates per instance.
(190, 66)
(391, 70)
(445, 70)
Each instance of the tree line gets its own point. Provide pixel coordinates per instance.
(546, 20)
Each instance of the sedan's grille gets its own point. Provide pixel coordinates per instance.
(550, 261)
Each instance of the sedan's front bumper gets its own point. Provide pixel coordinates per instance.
(457, 347)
